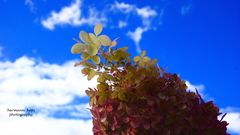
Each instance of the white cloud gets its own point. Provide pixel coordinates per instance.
(39, 125)
(72, 15)
(233, 118)
(136, 36)
(122, 24)
(200, 88)
(40, 83)
(146, 15)
(123, 7)
(185, 9)
(30, 4)
(48, 88)
(193, 87)
(67, 15)
(146, 12)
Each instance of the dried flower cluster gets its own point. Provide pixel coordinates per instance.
(137, 97)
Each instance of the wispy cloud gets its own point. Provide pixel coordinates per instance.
(72, 15)
(67, 15)
(185, 9)
(122, 24)
(146, 14)
(31, 5)
(136, 36)
(123, 7)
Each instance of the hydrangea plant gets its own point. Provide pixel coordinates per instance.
(137, 97)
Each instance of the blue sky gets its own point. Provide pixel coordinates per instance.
(197, 39)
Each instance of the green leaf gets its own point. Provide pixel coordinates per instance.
(98, 29)
(92, 49)
(84, 37)
(85, 56)
(101, 100)
(143, 53)
(77, 48)
(96, 59)
(88, 64)
(141, 64)
(101, 86)
(94, 39)
(123, 48)
(104, 40)
(91, 74)
(154, 61)
(146, 59)
(121, 96)
(136, 59)
(109, 77)
(90, 93)
(101, 78)
(93, 101)
(114, 94)
(85, 71)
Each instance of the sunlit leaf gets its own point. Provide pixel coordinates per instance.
(141, 64)
(96, 59)
(101, 78)
(146, 59)
(91, 74)
(104, 40)
(98, 29)
(94, 39)
(85, 71)
(114, 95)
(93, 101)
(90, 93)
(123, 48)
(154, 61)
(77, 48)
(85, 56)
(101, 100)
(101, 86)
(109, 77)
(136, 59)
(84, 37)
(88, 64)
(92, 49)
(143, 53)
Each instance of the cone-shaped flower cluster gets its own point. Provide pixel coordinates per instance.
(137, 97)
